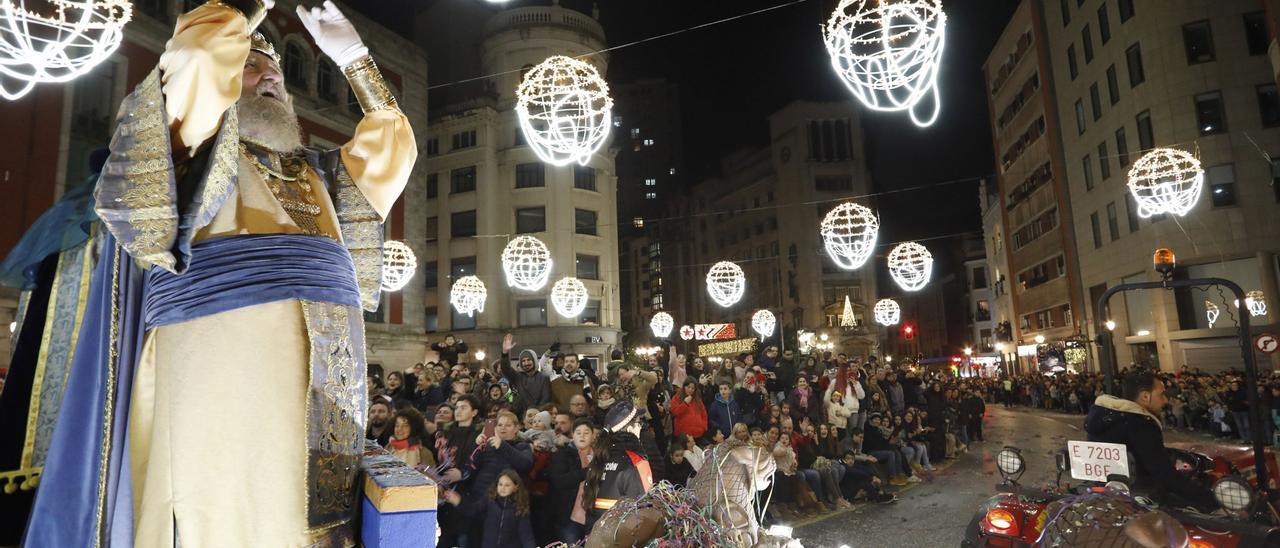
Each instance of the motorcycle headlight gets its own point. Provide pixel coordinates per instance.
(1009, 461)
(1233, 493)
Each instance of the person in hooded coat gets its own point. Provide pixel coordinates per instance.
(533, 389)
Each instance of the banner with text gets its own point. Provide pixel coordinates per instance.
(715, 331)
(736, 346)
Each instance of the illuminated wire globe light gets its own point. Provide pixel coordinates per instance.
(662, 324)
(887, 312)
(1256, 302)
(1211, 312)
(398, 265)
(564, 109)
(63, 42)
(910, 265)
(569, 297)
(887, 52)
(468, 295)
(849, 233)
(726, 283)
(1166, 180)
(763, 322)
(527, 263)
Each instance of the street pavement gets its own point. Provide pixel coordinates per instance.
(935, 513)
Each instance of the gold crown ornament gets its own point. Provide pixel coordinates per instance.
(261, 44)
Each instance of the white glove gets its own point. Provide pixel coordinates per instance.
(334, 34)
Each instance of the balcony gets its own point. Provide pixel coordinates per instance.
(544, 16)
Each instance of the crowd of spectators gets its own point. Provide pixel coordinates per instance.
(510, 440)
(1216, 404)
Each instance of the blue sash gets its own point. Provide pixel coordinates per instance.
(241, 271)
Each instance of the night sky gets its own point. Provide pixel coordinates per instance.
(733, 75)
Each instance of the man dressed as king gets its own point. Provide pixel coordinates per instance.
(220, 391)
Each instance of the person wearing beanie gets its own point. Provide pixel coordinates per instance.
(619, 466)
(604, 402)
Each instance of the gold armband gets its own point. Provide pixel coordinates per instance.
(254, 11)
(371, 90)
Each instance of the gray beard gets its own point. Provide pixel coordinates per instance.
(269, 123)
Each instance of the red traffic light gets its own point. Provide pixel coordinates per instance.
(908, 332)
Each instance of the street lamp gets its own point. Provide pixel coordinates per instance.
(823, 337)
(1000, 347)
(480, 356)
(1039, 339)
(1111, 325)
(968, 351)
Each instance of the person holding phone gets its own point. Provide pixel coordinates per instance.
(497, 449)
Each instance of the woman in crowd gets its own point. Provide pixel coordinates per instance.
(408, 439)
(688, 412)
(567, 475)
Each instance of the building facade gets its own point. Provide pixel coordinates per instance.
(1188, 74)
(50, 132)
(1034, 234)
(997, 267)
(762, 212)
(486, 186)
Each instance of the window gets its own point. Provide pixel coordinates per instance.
(1269, 105)
(1255, 33)
(1071, 61)
(1122, 148)
(1146, 136)
(833, 183)
(430, 274)
(584, 221)
(519, 139)
(1080, 116)
(591, 314)
(531, 313)
(530, 175)
(462, 266)
(433, 228)
(1113, 86)
(433, 146)
(1095, 102)
(1086, 38)
(92, 118)
(980, 277)
(1197, 39)
(650, 195)
(1211, 117)
(1104, 24)
(1104, 163)
(1131, 211)
(433, 185)
(1222, 185)
(1134, 57)
(1066, 13)
(464, 139)
(1097, 230)
(1275, 177)
(584, 177)
(459, 322)
(635, 132)
(1113, 221)
(1033, 230)
(462, 224)
(295, 65)
(648, 142)
(462, 180)
(650, 182)
(1087, 165)
(1126, 10)
(433, 319)
(587, 267)
(325, 88)
(830, 140)
(531, 219)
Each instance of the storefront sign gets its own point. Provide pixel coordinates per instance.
(736, 346)
(1025, 350)
(715, 331)
(595, 340)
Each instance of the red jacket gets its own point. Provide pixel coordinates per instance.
(688, 418)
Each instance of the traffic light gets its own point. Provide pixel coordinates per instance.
(908, 332)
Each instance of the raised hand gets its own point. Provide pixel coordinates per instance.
(333, 33)
(508, 342)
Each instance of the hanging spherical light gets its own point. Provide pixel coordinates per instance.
(1256, 302)
(661, 324)
(887, 52)
(849, 233)
(569, 297)
(527, 263)
(910, 265)
(764, 323)
(726, 283)
(1211, 312)
(468, 295)
(564, 109)
(1166, 180)
(398, 265)
(887, 312)
(64, 42)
